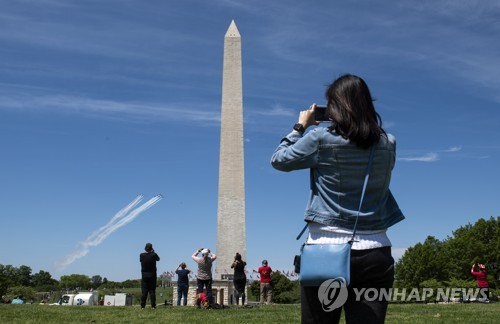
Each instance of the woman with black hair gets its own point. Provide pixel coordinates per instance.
(337, 157)
(239, 279)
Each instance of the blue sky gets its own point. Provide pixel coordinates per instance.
(102, 101)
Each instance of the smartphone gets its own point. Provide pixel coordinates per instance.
(320, 114)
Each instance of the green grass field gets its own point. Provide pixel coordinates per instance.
(397, 313)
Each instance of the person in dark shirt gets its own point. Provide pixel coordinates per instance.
(239, 279)
(148, 270)
(182, 283)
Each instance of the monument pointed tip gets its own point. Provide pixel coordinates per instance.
(232, 31)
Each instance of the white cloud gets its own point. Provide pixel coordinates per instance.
(109, 108)
(454, 149)
(86, 38)
(429, 157)
(388, 124)
(277, 110)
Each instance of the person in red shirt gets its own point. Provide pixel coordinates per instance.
(202, 300)
(265, 283)
(479, 271)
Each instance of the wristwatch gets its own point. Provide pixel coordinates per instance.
(299, 128)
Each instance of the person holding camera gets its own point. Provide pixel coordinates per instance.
(148, 271)
(239, 279)
(204, 278)
(478, 270)
(337, 157)
(182, 283)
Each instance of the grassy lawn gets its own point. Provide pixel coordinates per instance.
(398, 313)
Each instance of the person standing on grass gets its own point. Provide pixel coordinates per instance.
(265, 283)
(204, 279)
(239, 279)
(148, 272)
(337, 158)
(182, 283)
(479, 271)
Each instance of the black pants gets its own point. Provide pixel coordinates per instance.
(148, 285)
(369, 269)
(208, 285)
(239, 290)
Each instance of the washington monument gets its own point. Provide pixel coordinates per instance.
(231, 204)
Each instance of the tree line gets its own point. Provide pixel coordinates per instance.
(20, 280)
(447, 262)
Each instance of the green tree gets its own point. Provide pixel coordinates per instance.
(75, 281)
(8, 275)
(96, 281)
(12, 276)
(474, 243)
(284, 290)
(422, 262)
(24, 276)
(450, 260)
(28, 293)
(43, 281)
(131, 283)
(110, 284)
(255, 289)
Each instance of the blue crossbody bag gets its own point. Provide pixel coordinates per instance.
(320, 262)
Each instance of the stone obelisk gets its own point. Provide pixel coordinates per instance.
(231, 204)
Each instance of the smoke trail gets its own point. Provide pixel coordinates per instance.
(105, 231)
(117, 216)
(120, 219)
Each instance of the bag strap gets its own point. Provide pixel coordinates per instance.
(367, 176)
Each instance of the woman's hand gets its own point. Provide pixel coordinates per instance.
(306, 117)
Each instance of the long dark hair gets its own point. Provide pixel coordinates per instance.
(240, 264)
(350, 106)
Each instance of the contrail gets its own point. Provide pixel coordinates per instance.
(120, 219)
(117, 216)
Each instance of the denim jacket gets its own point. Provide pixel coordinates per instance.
(337, 172)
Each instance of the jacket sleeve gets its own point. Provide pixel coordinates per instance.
(297, 152)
